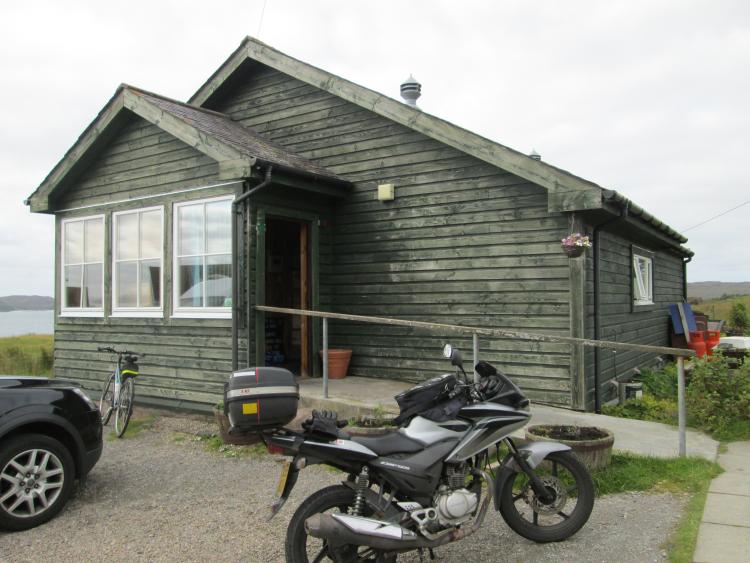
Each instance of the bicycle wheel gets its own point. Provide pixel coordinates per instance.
(107, 399)
(124, 407)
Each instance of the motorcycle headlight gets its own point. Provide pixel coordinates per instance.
(82, 395)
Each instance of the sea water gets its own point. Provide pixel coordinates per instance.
(15, 323)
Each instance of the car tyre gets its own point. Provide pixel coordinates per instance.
(36, 480)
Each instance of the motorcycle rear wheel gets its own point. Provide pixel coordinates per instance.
(570, 483)
(302, 548)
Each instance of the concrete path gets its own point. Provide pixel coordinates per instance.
(353, 396)
(724, 534)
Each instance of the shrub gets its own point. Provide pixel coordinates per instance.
(661, 384)
(645, 408)
(718, 397)
(738, 317)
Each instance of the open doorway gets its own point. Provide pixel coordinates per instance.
(287, 285)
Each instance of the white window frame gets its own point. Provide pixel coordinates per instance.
(193, 312)
(643, 290)
(81, 311)
(142, 312)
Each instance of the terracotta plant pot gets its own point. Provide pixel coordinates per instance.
(338, 362)
(592, 445)
(234, 439)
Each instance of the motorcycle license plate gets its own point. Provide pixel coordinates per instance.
(283, 477)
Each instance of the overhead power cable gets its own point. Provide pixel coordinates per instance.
(717, 216)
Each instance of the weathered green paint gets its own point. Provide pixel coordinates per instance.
(619, 321)
(471, 238)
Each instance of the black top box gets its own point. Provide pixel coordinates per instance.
(260, 398)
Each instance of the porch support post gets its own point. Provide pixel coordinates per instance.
(325, 358)
(577, 304)
(475, 348)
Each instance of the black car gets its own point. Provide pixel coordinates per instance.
(50, 434)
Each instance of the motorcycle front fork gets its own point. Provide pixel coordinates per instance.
(542, 493)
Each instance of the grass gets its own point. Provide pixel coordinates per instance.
(719, 308)
(214, 443)
(681, 544)
(630, 472)
(135, 427)
(26, 355)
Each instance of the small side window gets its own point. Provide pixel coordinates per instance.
(643, 277)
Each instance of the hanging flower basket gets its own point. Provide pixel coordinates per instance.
(575, 244)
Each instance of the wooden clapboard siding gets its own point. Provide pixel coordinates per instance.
(620, 322)
(464, 242)
(187, 360)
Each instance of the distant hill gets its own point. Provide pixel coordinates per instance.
(26, 303)
(716, 289)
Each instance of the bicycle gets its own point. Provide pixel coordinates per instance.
(118, 393)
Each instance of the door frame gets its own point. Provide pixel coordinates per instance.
(312, 220)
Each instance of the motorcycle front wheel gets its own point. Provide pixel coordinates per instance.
(303, 548)
(572, 500)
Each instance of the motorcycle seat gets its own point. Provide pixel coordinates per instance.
(390, 443)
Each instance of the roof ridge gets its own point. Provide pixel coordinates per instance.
(136, 90)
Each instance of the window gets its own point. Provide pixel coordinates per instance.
(83, 266)
(643, 277)
(137, 262)
(203, 258)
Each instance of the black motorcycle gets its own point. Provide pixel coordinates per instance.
(431, 481)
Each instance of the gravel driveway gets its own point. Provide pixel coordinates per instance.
(160, 496)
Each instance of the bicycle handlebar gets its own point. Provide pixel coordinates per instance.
(120, 352)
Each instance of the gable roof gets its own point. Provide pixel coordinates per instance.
(566, 191)
(236, 148)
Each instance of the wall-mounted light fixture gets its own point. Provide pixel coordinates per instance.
(386, 192)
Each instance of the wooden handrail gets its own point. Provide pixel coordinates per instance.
(608, 344)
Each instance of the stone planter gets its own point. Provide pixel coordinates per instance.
(592, 445)
(338, 362)
(234, 439)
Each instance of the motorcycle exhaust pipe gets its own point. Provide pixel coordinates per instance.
(344, 529)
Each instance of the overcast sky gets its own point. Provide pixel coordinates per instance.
(651, 98)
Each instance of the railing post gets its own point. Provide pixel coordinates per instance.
(325, 358)
(475, 349)
(681, 414)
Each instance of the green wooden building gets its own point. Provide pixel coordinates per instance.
(360, 204)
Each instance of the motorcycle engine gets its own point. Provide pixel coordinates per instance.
(455, 507)
(454, 503)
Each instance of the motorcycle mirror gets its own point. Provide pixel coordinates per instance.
(447, 351)
(456, 358)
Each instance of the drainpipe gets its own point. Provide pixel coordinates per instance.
(236, 229)
(597, 298)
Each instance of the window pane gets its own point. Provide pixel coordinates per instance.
(127, 275)
(218, 280)
(73, 236)
(127, 236)
(190, 282)
(150, 283)
(190, 230)
(151, 234)
(219, 227)
(92, 286)
(72, 289)
(94, 240)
